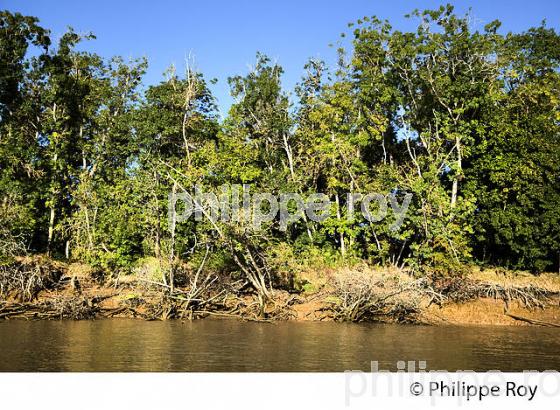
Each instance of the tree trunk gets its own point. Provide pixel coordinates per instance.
(172, 225)
(341, 234)
(455, 187)
(288, 150)
(51, 229)
(157, 244)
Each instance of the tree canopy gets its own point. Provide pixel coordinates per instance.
(464, 118)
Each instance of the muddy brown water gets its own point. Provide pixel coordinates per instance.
(231, 345)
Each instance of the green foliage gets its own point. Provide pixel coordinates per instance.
(465, 120)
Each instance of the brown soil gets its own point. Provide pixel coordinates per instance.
(485, 311)
(312, 310)
(79, 295)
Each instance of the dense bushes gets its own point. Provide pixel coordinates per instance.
(463, 118)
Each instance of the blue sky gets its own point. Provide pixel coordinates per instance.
(225, 35)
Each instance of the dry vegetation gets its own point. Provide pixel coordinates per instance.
(38, 288)
(368, 294)
(24, 278)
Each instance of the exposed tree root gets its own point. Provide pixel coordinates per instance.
(532, 321)
(24, 279)
(35, 290)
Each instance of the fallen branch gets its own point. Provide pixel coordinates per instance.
(532, 321)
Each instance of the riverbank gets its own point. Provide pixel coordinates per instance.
(46, 289)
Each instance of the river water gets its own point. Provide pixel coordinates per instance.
(232, 345)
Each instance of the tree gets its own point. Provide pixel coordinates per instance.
(19, 129)
(515, 169)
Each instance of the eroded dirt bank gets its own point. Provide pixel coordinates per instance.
(39, 288)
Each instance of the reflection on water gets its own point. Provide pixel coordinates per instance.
(231, 345)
